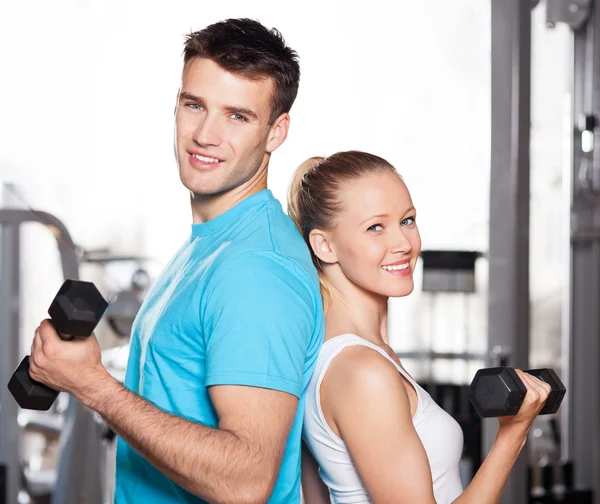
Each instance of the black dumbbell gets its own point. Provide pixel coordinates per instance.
(499, 391)
(75, 311)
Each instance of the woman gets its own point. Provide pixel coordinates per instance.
(375, 434)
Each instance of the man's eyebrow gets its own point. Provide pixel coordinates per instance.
(189, 96)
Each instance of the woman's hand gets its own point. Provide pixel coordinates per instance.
(489, 481)
(537, 394)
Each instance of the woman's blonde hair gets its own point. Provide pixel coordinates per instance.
(313, 199)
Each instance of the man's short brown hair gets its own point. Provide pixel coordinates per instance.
(246, 48)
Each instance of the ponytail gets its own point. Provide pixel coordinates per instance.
(297, 193)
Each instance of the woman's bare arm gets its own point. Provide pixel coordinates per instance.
(374, 419)
(489, 481)
(313, 488)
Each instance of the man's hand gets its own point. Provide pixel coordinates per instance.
(71, 366)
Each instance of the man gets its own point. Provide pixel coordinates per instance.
(226, 341)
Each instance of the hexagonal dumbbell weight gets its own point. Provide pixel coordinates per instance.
(74, 312)
(499, 391)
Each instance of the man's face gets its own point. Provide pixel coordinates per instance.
(223, 136)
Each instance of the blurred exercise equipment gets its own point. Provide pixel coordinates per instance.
(66, 458)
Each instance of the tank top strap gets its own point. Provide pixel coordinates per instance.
(335, 345)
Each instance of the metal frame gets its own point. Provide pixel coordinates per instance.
(575, 13)
(508, 301)
(11, 220)
(508, 305)
(9, 316)
(581, 334)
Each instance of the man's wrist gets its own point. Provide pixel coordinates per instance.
(100, 386)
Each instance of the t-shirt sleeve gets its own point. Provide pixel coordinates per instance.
(259, 319)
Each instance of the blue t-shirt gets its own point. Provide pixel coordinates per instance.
(239, 304)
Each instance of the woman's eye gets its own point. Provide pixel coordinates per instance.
(408, 221)
(375, 227)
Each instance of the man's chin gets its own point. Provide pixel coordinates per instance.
(201, 191)
(197, 186)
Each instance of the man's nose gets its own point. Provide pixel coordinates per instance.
(208, 132)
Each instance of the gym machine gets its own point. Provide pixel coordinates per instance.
(509, 252)
(81, 448)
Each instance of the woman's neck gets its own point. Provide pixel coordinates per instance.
(351, 309)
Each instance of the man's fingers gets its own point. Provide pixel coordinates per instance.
(46, 330)
(38, 342)
(37, 348)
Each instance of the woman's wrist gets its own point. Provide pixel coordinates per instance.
(512, 436)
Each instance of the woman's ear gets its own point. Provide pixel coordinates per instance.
(320, 242)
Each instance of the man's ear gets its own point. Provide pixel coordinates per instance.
(320, 242)
(278, 132)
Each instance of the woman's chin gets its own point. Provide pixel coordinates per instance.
(401, 290)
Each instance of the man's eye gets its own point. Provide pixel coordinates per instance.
(238, 117)
(195, 106)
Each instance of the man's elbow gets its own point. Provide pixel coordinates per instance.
(257, 491)
(245, 496)
(256, 495)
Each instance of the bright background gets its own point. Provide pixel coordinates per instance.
(86, 123)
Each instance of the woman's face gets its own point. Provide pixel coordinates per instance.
(376, 240)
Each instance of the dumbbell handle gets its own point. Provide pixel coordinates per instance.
(21, 385)
(24, 366)
(500, 391)
(553, 402)
(64, 337)
(25, 362)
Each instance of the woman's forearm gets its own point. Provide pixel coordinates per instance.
(489, 481)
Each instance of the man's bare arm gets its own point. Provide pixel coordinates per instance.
(236, 463)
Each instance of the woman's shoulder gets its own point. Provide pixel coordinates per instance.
(362, 379)
(360, 367)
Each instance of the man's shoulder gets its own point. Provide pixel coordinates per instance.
(269, 239)
(263, 264)
(269, 227)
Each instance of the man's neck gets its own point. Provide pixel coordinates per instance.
(207, 207)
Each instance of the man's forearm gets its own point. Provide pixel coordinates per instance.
(214, 464)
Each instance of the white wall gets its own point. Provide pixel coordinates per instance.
(87, 100)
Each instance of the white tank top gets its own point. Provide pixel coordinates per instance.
(440, 434)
